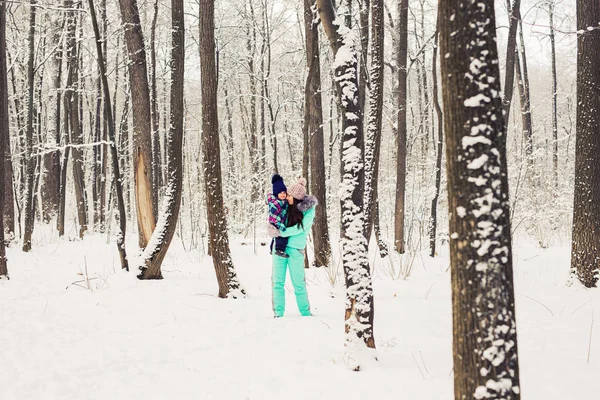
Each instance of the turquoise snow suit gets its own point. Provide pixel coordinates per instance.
(295, 249)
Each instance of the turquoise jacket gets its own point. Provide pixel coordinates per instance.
(298, 234)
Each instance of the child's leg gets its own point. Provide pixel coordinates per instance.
(281, 243)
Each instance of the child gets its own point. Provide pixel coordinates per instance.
(277, 203)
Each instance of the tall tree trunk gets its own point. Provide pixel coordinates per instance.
(254, 140)
(401, 62)
(156, 157)
(142, 120)
(485, 336)
(373, 142)
(514, 15)
(229, 285)
(113, 146)
(29, 170)
(359, 290)
(8, 210)
(554, 98)
(313, 124)
(585, 258)
(73, 101)
(523, 85)
(364, 48)
(438, 154)
(162, 236)
(4, 151)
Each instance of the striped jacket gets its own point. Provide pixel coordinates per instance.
(277, 211)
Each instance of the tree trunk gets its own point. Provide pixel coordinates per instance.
(229, 286)
(313, 123)
(523, 84)
(29, 161)
(113, 146)
(438, 156)
(4, 132)
(401, 62)
(142, 120)
(364, 48)
(514, 15)
(156, 157)
(73, 101)
(484, 336)
(585, 259)
(373, 143)
(554, 98)
(359, 291)
(162, 236)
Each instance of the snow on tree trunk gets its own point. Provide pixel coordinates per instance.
(3, 132)
(586, 212)
(142, 120)
(484, 335)
(229, 285)
(160, 240)
(359, 291)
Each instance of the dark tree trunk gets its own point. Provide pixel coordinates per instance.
(554, 98)
(4, 152)
(514, 16)
(585, 258)
(142, 120)
(229, 285)
(438, 155)
(313, 124)
(29, 170)
(73, 101)
(364, 48)
(523, 82)
(160, 241)
(401, 62)
(156, 153)
(373, 143)
(113, 146)
(485, 335)
(359, 291)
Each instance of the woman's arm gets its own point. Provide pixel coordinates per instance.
(307, 223)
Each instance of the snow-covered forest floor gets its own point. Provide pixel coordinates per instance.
(129, 339)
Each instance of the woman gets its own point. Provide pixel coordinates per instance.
(301, 215)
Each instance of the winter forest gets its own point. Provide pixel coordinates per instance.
(440, 199)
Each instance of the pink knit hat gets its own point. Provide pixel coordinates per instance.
(298, 190)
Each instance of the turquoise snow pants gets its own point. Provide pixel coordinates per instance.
(296, 266)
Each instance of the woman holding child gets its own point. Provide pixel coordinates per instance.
(291, 216)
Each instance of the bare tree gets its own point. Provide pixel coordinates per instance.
(359, 291)
(585, 258)
(113, 145)
(402, 55)
(4, 131)
(554, 96)
(29, 170)
(313, 125)
(514, 15)
(142, 120)
(229, 285)
(162, 236)
(484, 335)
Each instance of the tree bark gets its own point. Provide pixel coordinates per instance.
(585, 258)
(4, 132)
(229, 285)
(156, 153)
(162, 236)
(29, 170)
(484, 335)
(359, 291)
(142, 120)
(373, 142)
(438, 155)
(554, 98)
(402, 128)
(313, 122)
(514, 15)
(113, 146)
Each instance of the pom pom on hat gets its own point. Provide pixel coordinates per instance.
(278, 185)
(298, 190)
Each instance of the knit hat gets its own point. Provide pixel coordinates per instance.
(278, 185)
(298, 190)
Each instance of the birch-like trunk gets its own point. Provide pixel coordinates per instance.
(4, 132)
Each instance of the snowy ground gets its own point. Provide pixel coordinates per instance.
(173, 339)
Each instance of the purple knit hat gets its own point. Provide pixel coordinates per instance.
(298, 190)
